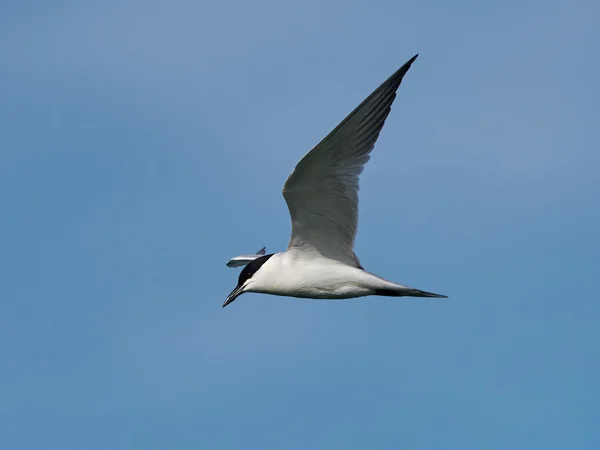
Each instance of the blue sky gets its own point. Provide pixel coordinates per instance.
(143, 143)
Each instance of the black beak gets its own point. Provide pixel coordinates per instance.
(234, 294)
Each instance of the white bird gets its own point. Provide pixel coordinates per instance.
(322, 197)
(243, 260)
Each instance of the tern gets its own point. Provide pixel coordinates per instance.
(322, 197)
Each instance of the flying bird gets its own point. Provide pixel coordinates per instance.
(322, 197)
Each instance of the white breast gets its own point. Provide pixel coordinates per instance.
(310, 276)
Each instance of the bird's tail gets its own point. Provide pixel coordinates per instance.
(407, 292)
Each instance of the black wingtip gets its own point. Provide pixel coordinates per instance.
(411, 60)
(407, 292)
(420, 293)
(397, 76)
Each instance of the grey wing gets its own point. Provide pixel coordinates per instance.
(244, 260)
(322, 190)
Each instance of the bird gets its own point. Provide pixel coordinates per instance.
(243, 260)
(322, 197)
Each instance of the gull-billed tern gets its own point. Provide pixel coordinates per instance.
(322, 197)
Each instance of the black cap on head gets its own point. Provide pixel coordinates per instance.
(251, 268)
(247, 273)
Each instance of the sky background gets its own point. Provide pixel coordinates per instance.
(144, 143)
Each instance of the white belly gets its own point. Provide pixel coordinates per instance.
(317, 278)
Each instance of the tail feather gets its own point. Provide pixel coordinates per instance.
(407, 292)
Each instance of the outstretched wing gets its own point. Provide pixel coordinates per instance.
(322, 190)
(243, 260)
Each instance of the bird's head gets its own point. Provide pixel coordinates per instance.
(245, 279)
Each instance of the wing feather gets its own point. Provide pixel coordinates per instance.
(322, 190)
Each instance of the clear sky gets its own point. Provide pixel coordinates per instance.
(144, 143)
